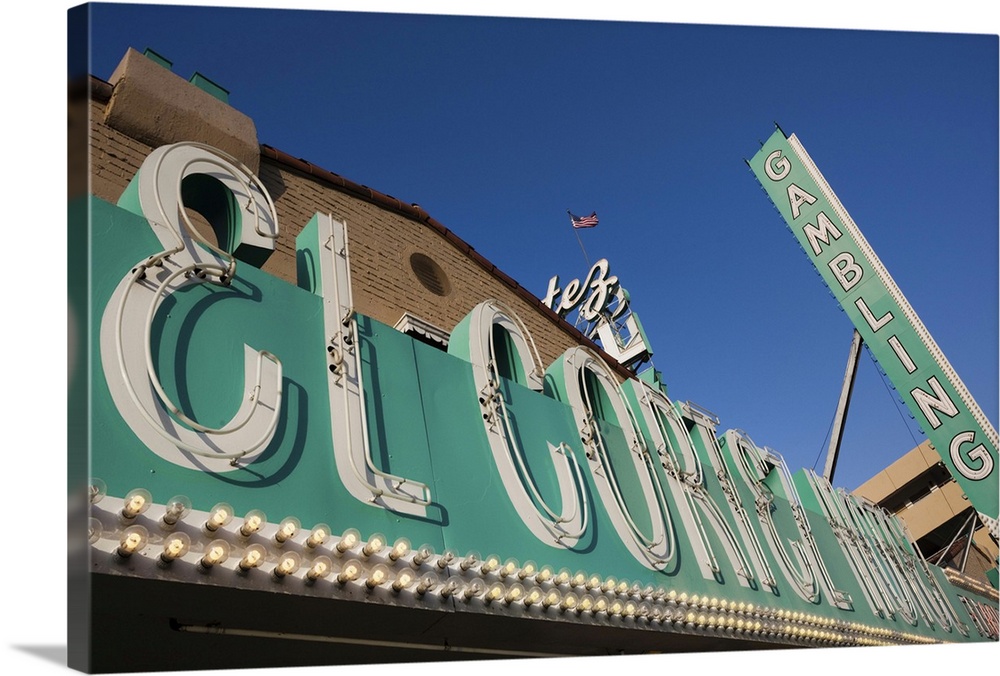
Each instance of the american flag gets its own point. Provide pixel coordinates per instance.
(583, 221)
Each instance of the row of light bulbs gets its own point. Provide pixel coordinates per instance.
(525, 584)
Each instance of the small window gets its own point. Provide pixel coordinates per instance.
(430, 274)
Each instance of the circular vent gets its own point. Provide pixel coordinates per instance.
(430, 274)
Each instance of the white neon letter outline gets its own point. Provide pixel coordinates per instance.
(188, 259)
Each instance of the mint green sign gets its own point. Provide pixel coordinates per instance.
(927, 383)
(277, 428)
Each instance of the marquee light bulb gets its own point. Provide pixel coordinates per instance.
(252, 522)
(318, 535)
(321, 567)
(428, 581)
(349, 539)
(579, 580)
(473, 589)
(490, 564)
(136, 502)
(375, 544)
(600, 604)
(446, 558)
(451, 586)
(470, 560)
(608, 586)
(544, 575)
(220, 515)
(133, 539)
(287, 529)
(623, 587)
(216, 552)
(421, 555)
(177, 508)
(514, 593)
(569, 601)
(94, 530)
(533, 596)
(527, 570)
(377, 575)
(253, 556)
(510, 567)
(350, 571)
(176, 546)
(404, 579)
(594, 582)
(496, 591)
(629, 609)
(586, 604)
(616, 607)
(551, 599)
(97, 490)
(287, 564)
(562, 577)
(400, 549)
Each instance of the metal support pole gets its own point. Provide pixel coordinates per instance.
(837, 434)
(959, 532)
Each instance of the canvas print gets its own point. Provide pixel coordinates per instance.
(405, 338)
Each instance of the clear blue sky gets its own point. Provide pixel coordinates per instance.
(497, 125)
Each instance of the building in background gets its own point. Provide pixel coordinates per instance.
(945, 527)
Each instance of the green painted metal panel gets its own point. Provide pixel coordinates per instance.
(925, 381)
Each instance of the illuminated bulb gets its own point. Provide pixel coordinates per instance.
(691, 617)
(320, 568)
(495, 592)
(510, 567)
(348, 540)
(622, 587)
(176, 546)
(216, 552)
(422, 554)
(177, 508)
(533, 596)
(375, 544)
(350, 572)
(400, 549)
(608, 586)
(702, 620)
(672, 595)
(377, 576)
(136, 502)
(527, 570)
(562, 577)
(616, 607)
(683, 598)
(490, 564)
(473, 589)
(252, 522)
(403, 580)
(514, 593)
(551, 599)
(569, 601)
(133, 539)
(544, 575)
(287, 564)
(471, 559)
(713, 603)
(97, 490)
(594, 582)
(318, 535)
(695, 600)
(287, 529)
(94, 530)
(220, 515)
(586, 604)
(427, 583)
(629, 609)
(253, 556)
(579, 580)
(600, 604)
